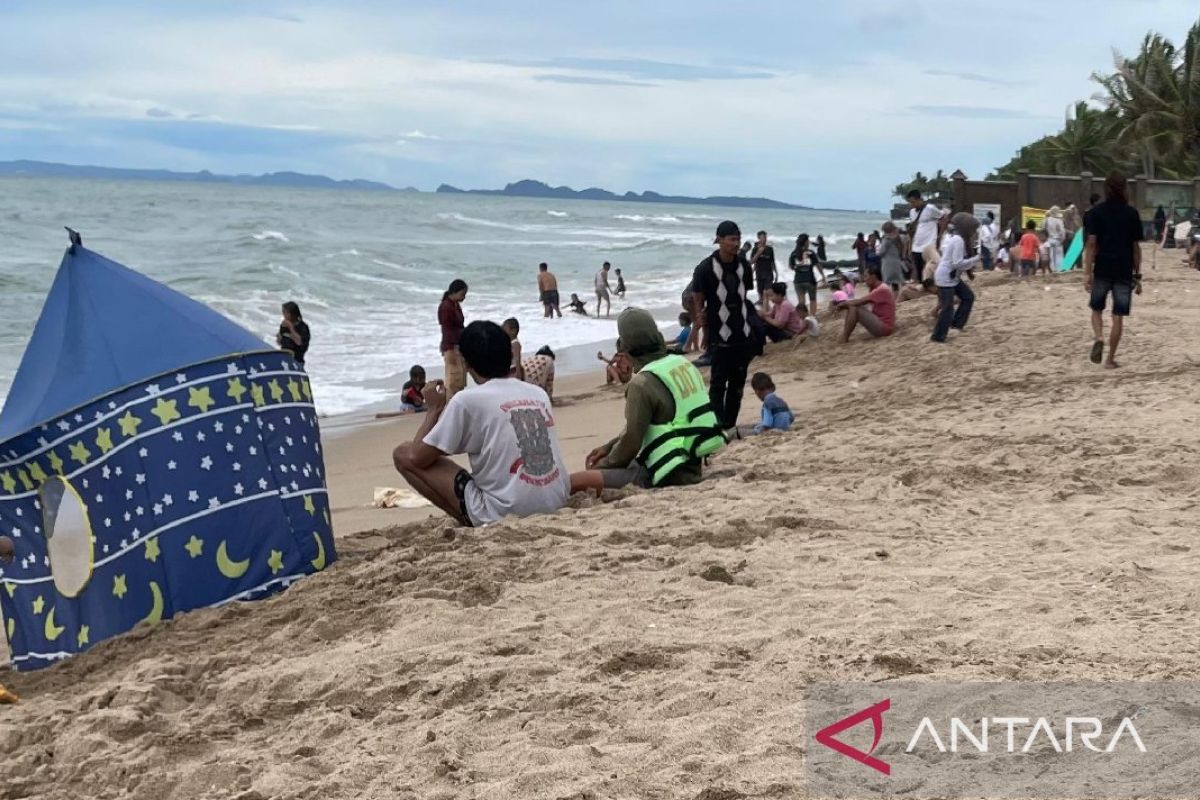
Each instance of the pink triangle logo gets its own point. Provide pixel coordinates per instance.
(873, 713)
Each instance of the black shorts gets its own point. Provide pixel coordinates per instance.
(1122, 295)
(918, 261)
(806, 289)
(550, 297)
(762, 283)
(460, 491)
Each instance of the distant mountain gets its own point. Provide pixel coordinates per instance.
(528, 188)
(44, 169)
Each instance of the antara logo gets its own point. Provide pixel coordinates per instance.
(1074, 731)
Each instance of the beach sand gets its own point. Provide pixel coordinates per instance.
(994, 508)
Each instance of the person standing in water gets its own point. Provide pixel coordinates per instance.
(821, 257)
(724, 281)
(294, 336)
(603, 290)
(450, 317)
(548, 291)
(765, 272)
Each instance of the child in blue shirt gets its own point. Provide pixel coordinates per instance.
(775, 412)
(685, 333)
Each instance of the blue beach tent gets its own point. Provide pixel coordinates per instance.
(155, 457)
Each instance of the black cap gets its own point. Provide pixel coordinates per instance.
(728, 228)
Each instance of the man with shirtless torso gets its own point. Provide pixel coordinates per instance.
(548, 291)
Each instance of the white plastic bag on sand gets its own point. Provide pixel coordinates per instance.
(387, 497)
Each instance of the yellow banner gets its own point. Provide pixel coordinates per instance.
(1038, 215)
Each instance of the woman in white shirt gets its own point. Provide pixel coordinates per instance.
(1056, 232)
(948, 276)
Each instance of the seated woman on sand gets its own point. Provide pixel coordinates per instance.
(617, 369)
(880, 319)
(539, 370)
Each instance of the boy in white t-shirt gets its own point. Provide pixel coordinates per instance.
(506, 428)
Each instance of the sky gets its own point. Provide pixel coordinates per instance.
(822, 104)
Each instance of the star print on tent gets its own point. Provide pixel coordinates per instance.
(140, 473)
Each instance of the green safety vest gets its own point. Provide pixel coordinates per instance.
(694, 433)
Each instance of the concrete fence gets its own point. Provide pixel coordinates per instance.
(1044, 191)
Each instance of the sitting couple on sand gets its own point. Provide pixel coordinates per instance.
(506, 428)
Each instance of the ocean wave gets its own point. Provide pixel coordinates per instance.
(651, 243)
(654, 218)
(390, 265)
(284, 270)
(558, 213)
(406, 286)
(350, 252)
(337, 398)
(276, 235)
(358, 276)
(487, 223)
(699, 216)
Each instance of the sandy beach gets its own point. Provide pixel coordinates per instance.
(994, 508)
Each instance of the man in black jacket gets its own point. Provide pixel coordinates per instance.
(724, 280)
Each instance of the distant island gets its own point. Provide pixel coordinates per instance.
(45, 169)
(525, 188)
(528, 188)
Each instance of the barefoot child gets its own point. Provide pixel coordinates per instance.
(776, 415)
(513, 329)
(412, 395)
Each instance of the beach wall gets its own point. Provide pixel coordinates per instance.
(1044, 191)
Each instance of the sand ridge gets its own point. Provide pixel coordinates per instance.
(995, 508)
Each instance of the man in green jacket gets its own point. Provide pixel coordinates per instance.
(669, 425)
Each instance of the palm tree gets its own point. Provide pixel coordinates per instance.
(1086, 142)
(1157, 97)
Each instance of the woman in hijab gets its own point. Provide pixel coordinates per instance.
(1056, 232)
(890, 260)
(948, 276)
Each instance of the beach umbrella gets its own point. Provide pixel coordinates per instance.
(155, 458)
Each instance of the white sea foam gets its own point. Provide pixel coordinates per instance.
(487, 223)
(558, 213)
(666, 218)
(284, 270)
(390, 264)
(276, 235)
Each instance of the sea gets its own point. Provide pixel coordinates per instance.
(368, 268)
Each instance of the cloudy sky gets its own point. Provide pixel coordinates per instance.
(826, 104)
